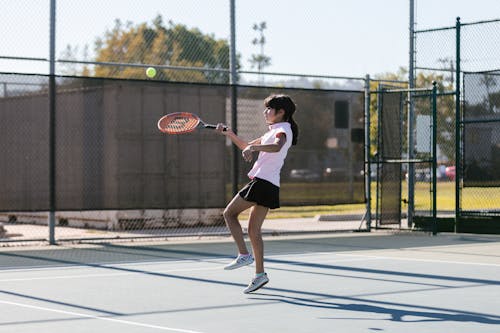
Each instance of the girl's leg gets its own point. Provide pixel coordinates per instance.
(257, 216)
(233, 209)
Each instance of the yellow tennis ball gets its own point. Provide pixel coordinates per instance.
(151, 72)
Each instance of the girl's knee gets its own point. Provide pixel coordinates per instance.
(229, 215)
(254, 232)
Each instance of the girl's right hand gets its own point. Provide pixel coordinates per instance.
(222, 129)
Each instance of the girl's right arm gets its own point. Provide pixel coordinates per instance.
(239, 142)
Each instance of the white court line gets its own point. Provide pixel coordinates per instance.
(98, 275)
(297, 256)
(104, 264)
(119, 321)
(147, 263)
(303, 254)
(422, 260)
(326, 261)
(79, 276)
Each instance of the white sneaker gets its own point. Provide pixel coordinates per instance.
(240, 261)
(257, 283)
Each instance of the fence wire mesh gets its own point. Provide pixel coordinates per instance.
(436, 56)
(480, 118)
(112, 171)
(392, 151)
(481, 143)
(182, 41)
(117, 176)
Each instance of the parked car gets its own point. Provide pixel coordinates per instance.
(304, 174)
(424, 175)
(421, 175)
(450, 172)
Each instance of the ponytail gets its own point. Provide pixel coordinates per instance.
(284, 102)
(295, 130)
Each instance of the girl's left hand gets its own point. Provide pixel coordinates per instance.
(247, 154)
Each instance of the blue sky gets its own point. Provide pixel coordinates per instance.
(325, 37)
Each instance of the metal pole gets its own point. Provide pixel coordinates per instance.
(458, 156)
(234, 96)
(434, 158)
(411, 145)
(367, 154)
(52, 125)
(378, 157)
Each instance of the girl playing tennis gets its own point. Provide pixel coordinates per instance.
(262, 192)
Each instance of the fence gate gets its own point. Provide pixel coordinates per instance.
(400, 172)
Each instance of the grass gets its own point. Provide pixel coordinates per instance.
(473, 198)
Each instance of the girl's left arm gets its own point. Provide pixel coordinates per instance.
(274, 147)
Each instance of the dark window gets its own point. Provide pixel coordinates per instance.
(357, 135)
(341, 114)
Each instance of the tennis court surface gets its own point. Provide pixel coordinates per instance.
(356, 282)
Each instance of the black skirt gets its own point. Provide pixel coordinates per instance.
(261, 192)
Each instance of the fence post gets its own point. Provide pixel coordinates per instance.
(368, 179)
(458, 156)
(411, 111)
(52, 125)
(234, 97)
(434, 157)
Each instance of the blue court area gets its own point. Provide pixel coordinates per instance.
(356, 282)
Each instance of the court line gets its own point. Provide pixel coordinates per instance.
(332, 260)
(96, 275)
(119, 321)
(422, 260)
(78, 276)
(220, 260)
(102, 264)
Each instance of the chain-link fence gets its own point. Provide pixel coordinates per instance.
(479, 43)
(436, 60)
(464, 57)
(117, 176)
(391, 159)
(183, 41)
(481, 144)
(112, 171)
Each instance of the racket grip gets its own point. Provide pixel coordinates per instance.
(214, 127)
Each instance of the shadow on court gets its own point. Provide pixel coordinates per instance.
(283, 257)
(390, 309)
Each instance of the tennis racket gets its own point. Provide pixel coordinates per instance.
(181, 122)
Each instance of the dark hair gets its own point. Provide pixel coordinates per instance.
(284, 102)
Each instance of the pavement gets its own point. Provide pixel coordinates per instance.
(339, 282)
(20, 232)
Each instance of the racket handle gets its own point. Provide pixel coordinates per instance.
(214, 127)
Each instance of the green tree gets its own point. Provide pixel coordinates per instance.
(157, 44)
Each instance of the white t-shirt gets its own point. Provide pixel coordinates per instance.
(268, 165)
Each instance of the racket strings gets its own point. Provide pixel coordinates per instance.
(179, 124)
